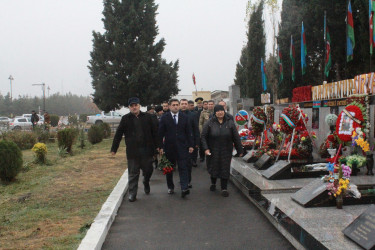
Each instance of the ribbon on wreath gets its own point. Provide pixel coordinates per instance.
(257, 120)
(288, 121)
(351, 117)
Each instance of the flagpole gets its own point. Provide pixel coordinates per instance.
(325, 44)
(346, 38)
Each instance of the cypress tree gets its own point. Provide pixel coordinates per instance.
(126, 61)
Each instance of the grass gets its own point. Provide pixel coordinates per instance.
(52, 206)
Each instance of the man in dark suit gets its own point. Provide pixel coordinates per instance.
(141, 139)
(177, 143)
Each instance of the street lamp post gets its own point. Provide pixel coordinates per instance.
(44, 94)
(11, 79)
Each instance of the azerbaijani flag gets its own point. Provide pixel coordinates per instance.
(371, 11)
(350, 42)
(264, 77)
(292, 55)
(280, 61)
(194, 79)
(328, 61)
(303, 51)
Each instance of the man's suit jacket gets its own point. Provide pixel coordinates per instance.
(176, 139)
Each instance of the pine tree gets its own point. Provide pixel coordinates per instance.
(126, 61)
(248, 73)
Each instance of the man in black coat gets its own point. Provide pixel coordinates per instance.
(34, 118)
(195, 131)
(177, 139)
(141, 139)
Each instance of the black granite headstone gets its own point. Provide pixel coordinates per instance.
(276, 169)
(249, 156)
(362, 229)
(264, 162)
(310, 194)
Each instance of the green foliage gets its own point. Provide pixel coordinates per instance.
(81, 138)
(10, 160)
(55, 104)
(40, 151)
(72, 119)
(95, 134)
(126, 61)
(248, 73)
(106, 129)
(83, 117)
(66, 137)
(41, 134)
(23, 139)
(312, 14)
(54, 120)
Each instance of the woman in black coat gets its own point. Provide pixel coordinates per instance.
(218, 136)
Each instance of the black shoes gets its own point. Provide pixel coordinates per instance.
(185, 192)
(224, 193)
(147, 187)
(132, 198)
(212, 187)
(170, 191)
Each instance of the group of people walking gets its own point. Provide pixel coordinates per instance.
(178, 129)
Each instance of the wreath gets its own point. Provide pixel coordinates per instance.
(289, 119)
(347, 122)
(258, 119)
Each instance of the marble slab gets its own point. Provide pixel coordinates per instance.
(325, 224)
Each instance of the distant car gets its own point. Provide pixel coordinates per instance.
(21, 123)
(110, 117)
(4, 120)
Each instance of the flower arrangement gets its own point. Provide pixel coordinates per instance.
(258, 120)
(355, 160)
(331, 119)
(358, 140)
(40, 151)
(349, 120)
(289, 119)
(165, 165)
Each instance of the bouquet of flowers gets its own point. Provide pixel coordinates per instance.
(165, 165)
(258, 120)
(338, 179)
(289, 119)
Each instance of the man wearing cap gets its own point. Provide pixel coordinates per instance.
(199, 107)
(150, 109)
(141, 141)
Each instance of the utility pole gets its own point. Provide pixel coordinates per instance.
(48, 89)
(11, 79)
(44, 94)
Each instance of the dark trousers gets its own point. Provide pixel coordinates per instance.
(134, 167)
(183, 171)
(194, 155)
(223, 182)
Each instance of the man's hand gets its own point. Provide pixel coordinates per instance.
(191, 150)
(240, 155)
(207, 152)
(161, 151)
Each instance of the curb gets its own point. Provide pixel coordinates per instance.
(97, 233)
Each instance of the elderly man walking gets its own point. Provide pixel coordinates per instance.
(141, 139)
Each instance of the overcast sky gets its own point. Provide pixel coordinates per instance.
(50, 40)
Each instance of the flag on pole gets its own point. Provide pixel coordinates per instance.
(350, 42)
(280, 61)
(264, 77)
(303, 51)
(371, 11)
(194, 79)
(328, 61)
(292, 55)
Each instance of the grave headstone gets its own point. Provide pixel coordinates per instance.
(362, 229)
(311, 193)
(264, 162)
(249, 156)
(277, 169)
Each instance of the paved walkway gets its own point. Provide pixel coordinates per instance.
(203, 220)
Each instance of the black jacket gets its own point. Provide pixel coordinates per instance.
(176, 139)
(219, 139)
(194, 125)
(135, 147)
(34, 118)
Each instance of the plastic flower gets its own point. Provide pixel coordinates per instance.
(330, 167)
(303, 138)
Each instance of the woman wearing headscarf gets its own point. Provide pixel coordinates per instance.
(218, 136)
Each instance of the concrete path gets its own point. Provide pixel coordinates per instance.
(203, 220)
